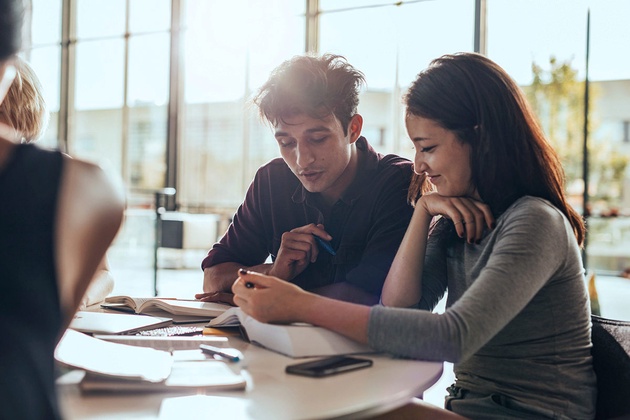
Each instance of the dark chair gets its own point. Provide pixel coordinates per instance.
(611, 360)
(167, 234)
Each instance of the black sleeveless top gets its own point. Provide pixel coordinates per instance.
(30, 314)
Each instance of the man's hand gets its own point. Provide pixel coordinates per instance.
(218, 297)
(297, 250)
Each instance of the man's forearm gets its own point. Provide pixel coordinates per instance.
(220, 277)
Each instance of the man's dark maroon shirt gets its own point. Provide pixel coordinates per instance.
(367, 224)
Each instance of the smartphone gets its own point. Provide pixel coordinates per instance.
(328, 366)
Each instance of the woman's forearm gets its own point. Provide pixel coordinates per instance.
(403, 283)
(348, 319)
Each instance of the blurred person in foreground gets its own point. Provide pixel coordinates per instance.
(24, 109)
(57, 218)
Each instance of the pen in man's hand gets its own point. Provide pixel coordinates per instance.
(326, 245)
(232, 355)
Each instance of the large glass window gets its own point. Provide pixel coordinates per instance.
(229, 50)
(550, 63)
(119, 107)
(609, 157)
(147, 100)
(42, 39)
(107, 81)
(98, 101)
(390, 44)
(556, 50)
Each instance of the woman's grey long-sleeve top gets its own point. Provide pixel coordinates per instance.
(518, 317)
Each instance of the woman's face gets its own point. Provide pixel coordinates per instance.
(442, 157)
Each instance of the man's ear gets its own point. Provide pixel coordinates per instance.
(354, 127)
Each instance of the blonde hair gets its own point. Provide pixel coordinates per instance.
(24, 107)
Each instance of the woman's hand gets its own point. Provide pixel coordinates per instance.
(267, 298)
(469, 216)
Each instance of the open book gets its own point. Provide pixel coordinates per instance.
(150, 306)
(104, 323)
(119, 367)
(293, 340)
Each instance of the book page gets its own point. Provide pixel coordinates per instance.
(140, 302)
(185, 307)
(207, 373)
(133, 303)
(301, 340)
(163, 343)
(229, 318)
(112, 359)
(189, 375)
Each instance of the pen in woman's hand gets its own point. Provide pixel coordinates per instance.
(248, 284)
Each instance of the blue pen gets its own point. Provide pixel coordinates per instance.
(326, 245)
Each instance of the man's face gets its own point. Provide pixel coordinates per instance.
(318, 152)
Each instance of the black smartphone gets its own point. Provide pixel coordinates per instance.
(328, 366)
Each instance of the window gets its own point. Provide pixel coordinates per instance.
(390, 44)
(229, 50)
(121, 83)
(43, 41)
(108, 81)
(553, 36)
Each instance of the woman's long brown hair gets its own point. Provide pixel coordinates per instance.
(476, 99)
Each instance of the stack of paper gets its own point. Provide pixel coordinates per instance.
(119, 367)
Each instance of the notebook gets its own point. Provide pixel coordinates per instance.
(106, 323)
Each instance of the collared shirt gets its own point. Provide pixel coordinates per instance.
(367, 223)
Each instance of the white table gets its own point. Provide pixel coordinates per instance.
(270, 392)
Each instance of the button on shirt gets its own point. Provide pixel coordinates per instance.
(367, 223)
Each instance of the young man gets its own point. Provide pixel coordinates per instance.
(330, 186)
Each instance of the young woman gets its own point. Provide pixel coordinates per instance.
(496, 231)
